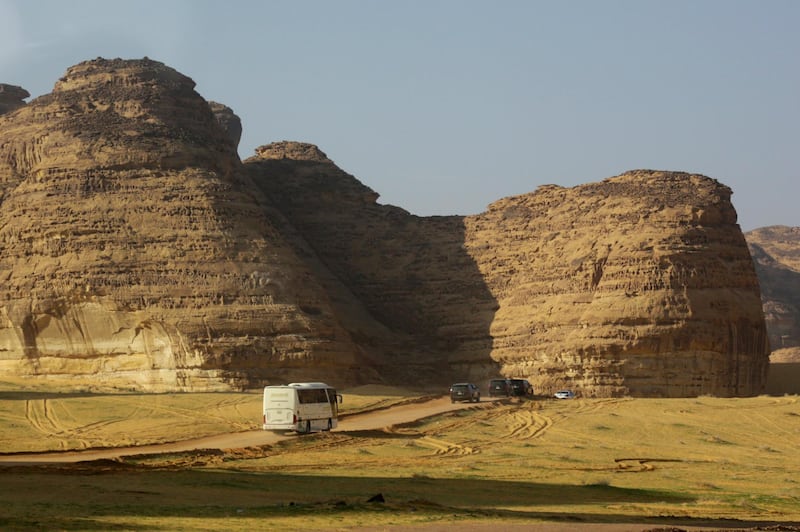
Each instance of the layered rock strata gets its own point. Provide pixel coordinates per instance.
(136, 254)
(639, 285)
(136, 251)
(412, 274)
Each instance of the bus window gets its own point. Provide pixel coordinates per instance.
(310, 396)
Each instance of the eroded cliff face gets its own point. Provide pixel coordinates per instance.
(639, 285)
(776, 253)
(136, 254)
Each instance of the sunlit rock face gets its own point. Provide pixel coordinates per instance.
(135, 254)
(638, 285)
(776, 253)
(138, 252)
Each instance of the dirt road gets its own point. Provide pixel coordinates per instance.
(373, 420)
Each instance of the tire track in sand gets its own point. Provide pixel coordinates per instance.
(39, 414)
(526, 424)
(445, 448)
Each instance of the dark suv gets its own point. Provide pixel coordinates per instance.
(465, 391)
(510, 388)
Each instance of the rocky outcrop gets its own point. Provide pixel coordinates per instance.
(134, 252)
(230, 122)
(305, 153)
(776, 254)
(137, 251)
(11, 97)
(639, 285)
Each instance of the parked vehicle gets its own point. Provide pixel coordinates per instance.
(301, 407)
(564, 394)
(498, 388)
(510, 388)
(521, 388)
(465, 391)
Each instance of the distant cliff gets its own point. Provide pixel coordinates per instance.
(139, 252)
(776, 253)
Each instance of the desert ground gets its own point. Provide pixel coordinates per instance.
(400, 460)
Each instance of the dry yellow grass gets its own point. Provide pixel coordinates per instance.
(38, 420)
(704, 457)
(678, 461)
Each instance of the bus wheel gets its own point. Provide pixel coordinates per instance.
(330, 424)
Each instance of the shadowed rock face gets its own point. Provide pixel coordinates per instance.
(412, 274)
(11, 97)
(138, 251)
(229, 121)
(776, 253)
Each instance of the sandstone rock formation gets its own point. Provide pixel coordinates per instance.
(139, 252)
(136, 254)
(776, 253)
(412, 274)
(11, 97)
(640, 285)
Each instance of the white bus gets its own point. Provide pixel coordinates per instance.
(301, 406)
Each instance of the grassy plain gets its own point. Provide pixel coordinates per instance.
(702, 461)
(39, 420)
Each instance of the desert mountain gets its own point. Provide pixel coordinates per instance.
(776, 253)
(641, 284)
(135, 252)
(139, 252)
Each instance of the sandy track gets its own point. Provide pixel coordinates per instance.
(373, 420)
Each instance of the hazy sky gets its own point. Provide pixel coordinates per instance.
(443, 106)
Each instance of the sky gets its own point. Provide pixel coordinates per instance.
(444, 106)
